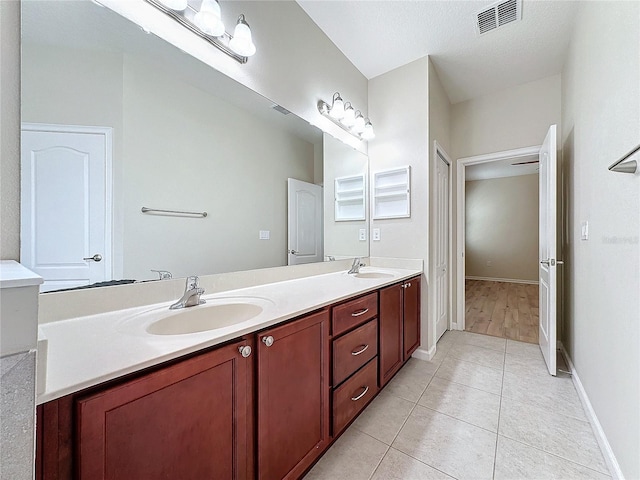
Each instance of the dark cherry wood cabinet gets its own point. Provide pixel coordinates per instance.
(391, 339)
(411, 316)
(191, 420)
(226, 414)
(399, 326)
(293, 396)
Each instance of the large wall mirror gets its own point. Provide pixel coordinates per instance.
(176, 135)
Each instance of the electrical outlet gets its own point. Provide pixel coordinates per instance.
(264, 234)
(362, 235)
(584, 231)
(376, 234)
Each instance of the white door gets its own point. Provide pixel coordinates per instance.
(442, 245)
(548, 262)
(304, 222)
(65, 213)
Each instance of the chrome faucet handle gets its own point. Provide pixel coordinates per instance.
(163, 274)
(193, 282)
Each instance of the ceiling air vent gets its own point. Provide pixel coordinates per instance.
(497, 15)
(280, 109)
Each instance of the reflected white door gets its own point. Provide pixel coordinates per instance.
(442, 245)
(304, 222)
(548, 263)
(65, 212)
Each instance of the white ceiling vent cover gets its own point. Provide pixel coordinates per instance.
(497, 15)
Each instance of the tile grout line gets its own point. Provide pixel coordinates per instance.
(555, 455)
(414, 407)
(415, 404)
(495, 452)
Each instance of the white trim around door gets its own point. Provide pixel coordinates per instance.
(462, 163)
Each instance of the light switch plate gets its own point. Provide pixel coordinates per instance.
(584, 231)
(376, 234)
(264, 234)
(362, 234)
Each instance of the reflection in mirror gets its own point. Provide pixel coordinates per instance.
(181, 136)
(345, 200)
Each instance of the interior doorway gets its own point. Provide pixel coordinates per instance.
(442, 254)
(497, 275)
(66, 225)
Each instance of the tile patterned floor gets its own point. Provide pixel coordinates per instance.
(483, 408)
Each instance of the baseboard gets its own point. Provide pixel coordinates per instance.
(422, 354)
(609, 457)
(506, 280)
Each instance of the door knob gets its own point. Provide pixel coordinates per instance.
(96, 258)
(293, 252)
(268, 341)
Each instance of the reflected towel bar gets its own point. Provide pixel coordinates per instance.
(630, 166)
(174, 212)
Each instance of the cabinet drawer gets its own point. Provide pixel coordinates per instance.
(354, 313)
(354, 394)
(353, 350)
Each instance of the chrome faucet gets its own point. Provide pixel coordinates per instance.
(355, 267)
(163, 274)
(191, 296)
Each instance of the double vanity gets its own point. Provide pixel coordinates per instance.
(255, 383)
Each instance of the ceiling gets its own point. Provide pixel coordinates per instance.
(379, 36)
(502, 168)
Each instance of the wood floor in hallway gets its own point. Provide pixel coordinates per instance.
(501, 309)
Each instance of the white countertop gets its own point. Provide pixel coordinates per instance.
(13, 275)
(86, 351)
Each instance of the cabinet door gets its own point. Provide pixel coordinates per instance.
(293, 396)
(390, 318)
(190, 420)
(411, 308)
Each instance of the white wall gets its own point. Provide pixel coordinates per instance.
(501, 227)
(10, 130)
(399, 103)
(601, 122)
(215, 158)
(513, 118)
(197, 152)
(341, 239)
(295, 65)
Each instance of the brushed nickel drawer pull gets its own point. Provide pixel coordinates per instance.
(360, 312)
(355, 399)
(364, 347)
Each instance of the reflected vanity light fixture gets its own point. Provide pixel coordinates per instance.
(204, 18)
(347, 117)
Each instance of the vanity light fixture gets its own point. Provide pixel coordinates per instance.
(347, 117)
(204, 18)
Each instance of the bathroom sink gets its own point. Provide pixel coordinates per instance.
(209, 316)
(373, 275)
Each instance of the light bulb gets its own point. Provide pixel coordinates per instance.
(241, 42)
(349, 115)
(368, 131)
(337, 107)
(208, 19)
(358, 126)
(178, 5)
